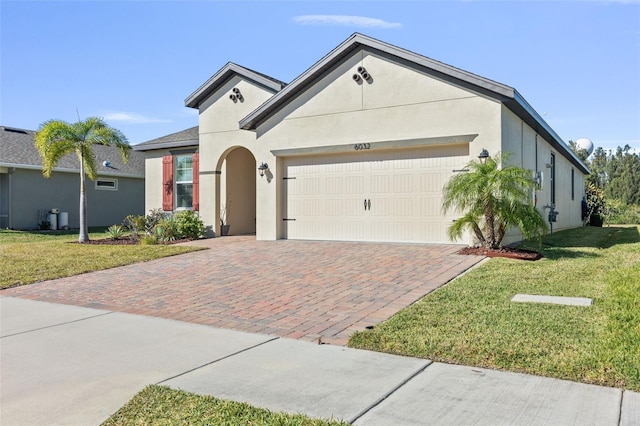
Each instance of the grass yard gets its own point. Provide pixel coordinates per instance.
(160, 405)
(27, 257)
(471, 321)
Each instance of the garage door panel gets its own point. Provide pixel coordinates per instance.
(328, 195)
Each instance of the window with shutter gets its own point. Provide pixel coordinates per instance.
(167, 183)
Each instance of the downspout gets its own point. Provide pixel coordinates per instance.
(10, 221)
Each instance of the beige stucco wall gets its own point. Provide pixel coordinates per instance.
(219, 136)
(153, 179)
(399, 104)
(528, 148)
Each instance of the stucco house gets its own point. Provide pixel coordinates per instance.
(27, 197)
(357, 148)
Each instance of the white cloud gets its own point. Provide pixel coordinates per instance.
(345, 21)
(132, 118)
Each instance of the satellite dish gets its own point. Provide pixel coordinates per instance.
(586, 144)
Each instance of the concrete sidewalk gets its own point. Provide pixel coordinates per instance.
(69, 365)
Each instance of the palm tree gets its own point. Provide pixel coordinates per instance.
(492, 199)
(57, 138)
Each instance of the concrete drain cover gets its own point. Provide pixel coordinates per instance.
(556, 300)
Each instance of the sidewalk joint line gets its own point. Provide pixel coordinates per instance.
(391, 392)
(217, 360)
(56, 325)
(620, 407)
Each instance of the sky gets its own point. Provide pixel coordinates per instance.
(135, 62)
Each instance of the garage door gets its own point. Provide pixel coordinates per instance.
(370, 196)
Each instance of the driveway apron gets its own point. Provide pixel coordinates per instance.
(308, 290)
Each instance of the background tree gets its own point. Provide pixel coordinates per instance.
(492, 199)
(56, 138)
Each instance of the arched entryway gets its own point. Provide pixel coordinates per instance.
(238, 191)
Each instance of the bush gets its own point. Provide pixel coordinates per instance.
(136, 224)
(166, 229)
(623, 214)
(148, 240)
(189, 224)
(116, 232)
(596, 205)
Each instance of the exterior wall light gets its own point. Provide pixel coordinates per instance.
(484, 154)
(262, 169)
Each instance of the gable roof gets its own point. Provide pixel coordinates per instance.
(17, 149)
(498, 91)
(183, 138)
(223, 75)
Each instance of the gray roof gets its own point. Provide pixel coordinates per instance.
(503, 93)
(183, 138)
(17, 149)
(223, 75)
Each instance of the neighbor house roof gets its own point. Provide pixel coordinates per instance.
(223, 75)
(17, 149)
(183, 138)
(502, 93)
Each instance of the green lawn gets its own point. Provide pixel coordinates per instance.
(28, 257)
(160, 405)
(471, 321)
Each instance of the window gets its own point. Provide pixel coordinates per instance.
(553, 179)
(573, 182)
(184, 181)
(107, 184)
(183, 192)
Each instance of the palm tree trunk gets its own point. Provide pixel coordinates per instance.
(84, 229)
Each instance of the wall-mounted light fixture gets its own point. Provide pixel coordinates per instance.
(484, 154)
(262, 168)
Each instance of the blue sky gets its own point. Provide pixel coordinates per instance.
(134, 62)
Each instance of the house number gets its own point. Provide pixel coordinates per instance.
(361, 146)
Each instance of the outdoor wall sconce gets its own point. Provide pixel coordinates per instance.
(484, 154)
(262, 169)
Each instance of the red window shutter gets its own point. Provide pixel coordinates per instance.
(167, 183)
(196, 181)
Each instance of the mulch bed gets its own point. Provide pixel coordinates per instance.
(128, 241)
(508, 252)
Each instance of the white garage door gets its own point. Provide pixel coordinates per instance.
(369, 195)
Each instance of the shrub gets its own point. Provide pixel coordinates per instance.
(137, 224)
(148, 240)
(166, 229)
(596, 206)
(623, 214)
(189, 224)
(116, 232)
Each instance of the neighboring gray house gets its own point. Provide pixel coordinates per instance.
(26, 196)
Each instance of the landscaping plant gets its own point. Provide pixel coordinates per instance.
(492, 197)
(56, 139)
(189, 224)
(116, 232)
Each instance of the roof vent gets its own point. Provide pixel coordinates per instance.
(12, 130)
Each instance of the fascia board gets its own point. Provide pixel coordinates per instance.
(67, 170)
(165, 145)
(541, 126)
(219, 78)
(355, 42)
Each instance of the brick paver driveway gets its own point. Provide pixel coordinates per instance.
(297, 289)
